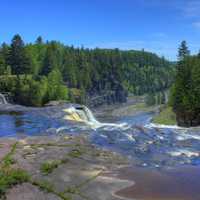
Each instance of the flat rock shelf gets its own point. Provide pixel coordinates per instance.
(56, 168)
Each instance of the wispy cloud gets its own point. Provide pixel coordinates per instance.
(191, 11)
(196, 24)
(191, 8)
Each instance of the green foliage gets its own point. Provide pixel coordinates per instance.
(54, 67)
(185, 93)
(166, 117)
(150, 100)
(49, 166)
(75, 153)
(183, 51)
(160, 98)
(11, 177)
(56, 89)
(18, 57)
(8, 159)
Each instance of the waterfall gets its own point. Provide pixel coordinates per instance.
(83, 114)
(2, 99)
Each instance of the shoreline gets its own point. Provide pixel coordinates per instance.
(171, 184)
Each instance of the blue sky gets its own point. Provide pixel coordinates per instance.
(155, 25)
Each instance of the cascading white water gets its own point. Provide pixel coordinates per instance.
(2, 99)
(84, 114)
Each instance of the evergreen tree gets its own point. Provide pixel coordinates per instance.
(2, 65)
(5, 50)
(18, 59)
(185, 94)
(183, 51)
(53, 58)
(39, 40)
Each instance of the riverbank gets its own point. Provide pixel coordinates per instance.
(165, 117)
(71, 168)
(134, 106)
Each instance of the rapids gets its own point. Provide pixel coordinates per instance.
(145, 144)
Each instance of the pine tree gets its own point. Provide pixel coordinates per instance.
(2, 65)
(52, 59)
(183, 51)
(39, 40)
(18, 58)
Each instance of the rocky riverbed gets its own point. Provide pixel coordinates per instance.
(71, 168)
(46, 156)
(57, 168)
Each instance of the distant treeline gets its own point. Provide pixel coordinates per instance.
(43, 71)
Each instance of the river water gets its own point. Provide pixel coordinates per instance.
(143, 143)
(165, 160)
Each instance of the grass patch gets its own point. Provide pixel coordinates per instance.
(166, 117)
(11, 177)
(8, 160)
(75, 153)
(48, 166)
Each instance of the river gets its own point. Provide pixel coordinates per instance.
(143, 143)
(164, 160)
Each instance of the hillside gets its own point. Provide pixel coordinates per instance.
(87, 73)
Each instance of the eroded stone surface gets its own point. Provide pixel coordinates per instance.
(27, 191)
(79, 172)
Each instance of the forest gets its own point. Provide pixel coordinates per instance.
(185, 92)
(39, 72)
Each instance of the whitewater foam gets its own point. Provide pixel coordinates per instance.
(86, 116)
(185, 152)
(162, 126)
(187, 136)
